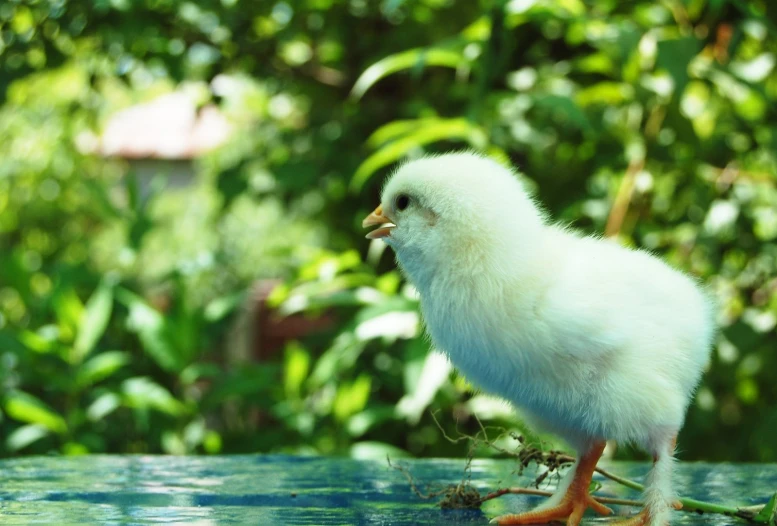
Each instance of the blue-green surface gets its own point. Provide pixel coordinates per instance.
(295, 490)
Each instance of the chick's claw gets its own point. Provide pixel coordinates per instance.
(570, 510)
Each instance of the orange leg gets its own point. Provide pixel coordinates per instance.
(575, 501)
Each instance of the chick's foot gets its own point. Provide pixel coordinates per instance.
(575, 500)
(571, 510)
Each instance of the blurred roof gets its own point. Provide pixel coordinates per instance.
(168, 127)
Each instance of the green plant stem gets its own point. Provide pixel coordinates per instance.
(612, 476)
(543, 493)
(689, 505)
(620, 480)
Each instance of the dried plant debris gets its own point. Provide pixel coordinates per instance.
(452, 496)
(464, 495)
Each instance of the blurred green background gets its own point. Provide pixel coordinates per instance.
(182, 267)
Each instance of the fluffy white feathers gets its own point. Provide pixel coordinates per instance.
(591, 339)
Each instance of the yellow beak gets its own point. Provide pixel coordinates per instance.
(377, 218)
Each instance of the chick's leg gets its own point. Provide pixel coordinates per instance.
(573, 502)
(659, 498)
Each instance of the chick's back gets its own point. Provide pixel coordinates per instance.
(619, 296)
(638, 330)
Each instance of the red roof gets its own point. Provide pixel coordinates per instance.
(168, 127)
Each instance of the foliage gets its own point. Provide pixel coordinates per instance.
(119, 303)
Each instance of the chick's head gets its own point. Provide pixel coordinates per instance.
(440, 209)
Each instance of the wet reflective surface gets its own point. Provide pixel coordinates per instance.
(279, 490)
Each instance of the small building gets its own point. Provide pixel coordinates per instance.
(164, 136)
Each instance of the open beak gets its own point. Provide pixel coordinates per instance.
(377, 218)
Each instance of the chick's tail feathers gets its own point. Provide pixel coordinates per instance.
(659, 497)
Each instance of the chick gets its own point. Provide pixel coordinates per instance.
(591, 340)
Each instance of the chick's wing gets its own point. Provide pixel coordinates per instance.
(603, 298)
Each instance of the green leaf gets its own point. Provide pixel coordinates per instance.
(22, 21)
(103, 405)
(102, 198)
(249, 382)
(221, 307)
(768, 513)
(422, 384)
(149, 324)
(212, 442)
(362, 422)
(24, 436)
(430, 131)
(35, 342)
(598, 62)
(352, 398)
(93, 322)
(342, 355)
(402, 61)
(69, 309)
(296, 369)
(605, 93)
(373, 450)
(394, 317)
(231, 184)
(478, 31)
(101, 367)
(395, 130)
(197, 371)
(141, 222)
(674, 56)
(9, 343)
(173, 443)
(26, 408)
(144, 393)
(74, 449)
(567, 107)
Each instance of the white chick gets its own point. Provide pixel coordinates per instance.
(591, 340)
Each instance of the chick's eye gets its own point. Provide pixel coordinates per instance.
(402, 202)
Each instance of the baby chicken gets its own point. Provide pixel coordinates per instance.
(591, 340)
